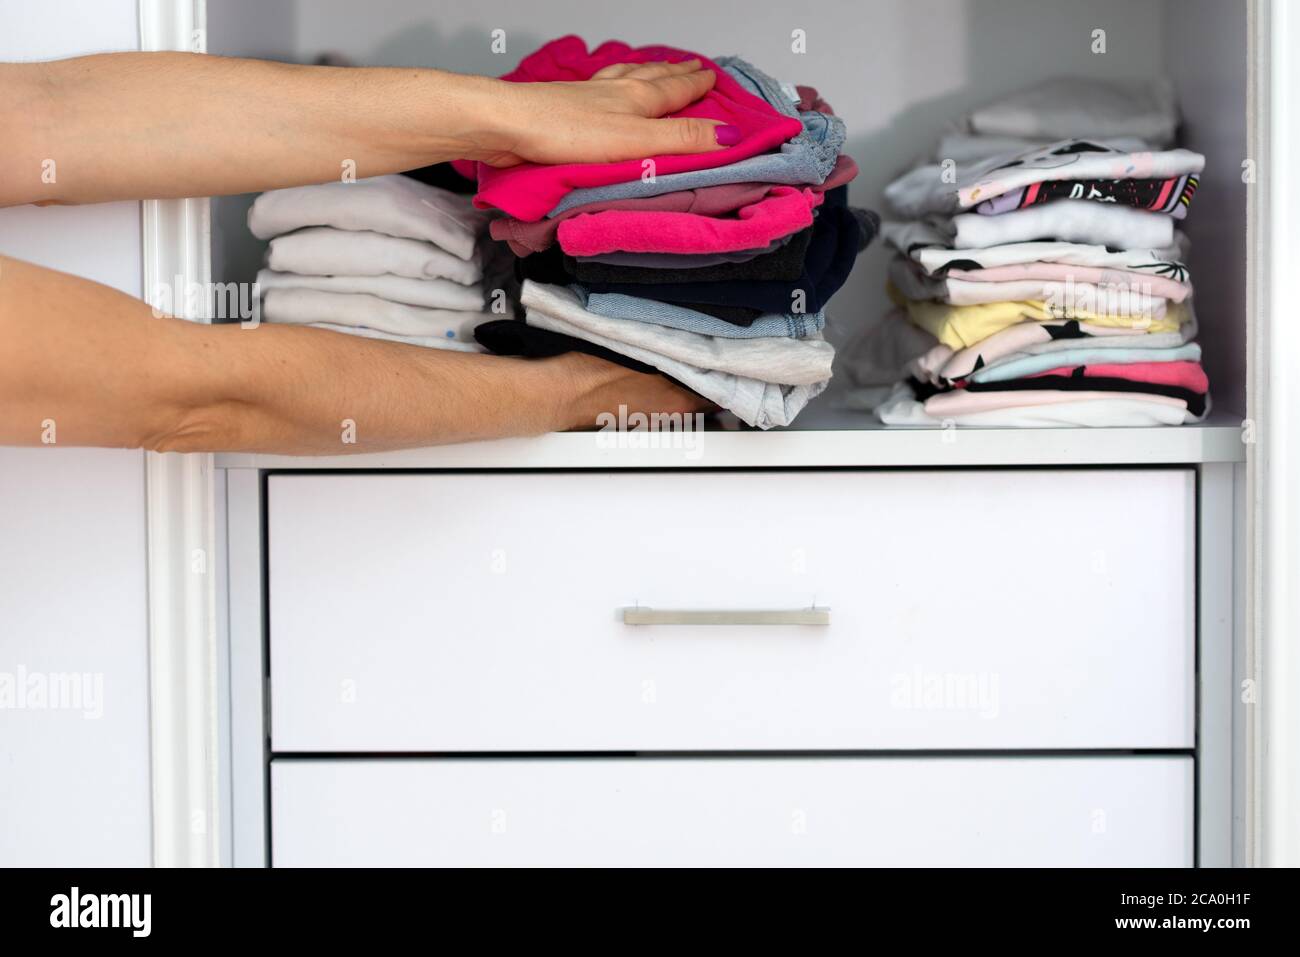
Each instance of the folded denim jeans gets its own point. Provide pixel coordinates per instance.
(637, 309)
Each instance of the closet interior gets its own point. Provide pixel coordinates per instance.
(900, 73)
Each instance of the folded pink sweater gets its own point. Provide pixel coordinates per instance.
(783, 211)
(529, 191)
(527, 238)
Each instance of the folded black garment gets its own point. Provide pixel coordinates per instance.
(444, 176)
(554, 267)
(513, 337)
(838, 235)
(1078, 382)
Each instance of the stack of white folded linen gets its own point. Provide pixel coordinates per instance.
(386, 257)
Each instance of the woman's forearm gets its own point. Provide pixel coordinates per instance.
(161, 125)
(89, 365)
(165, 125)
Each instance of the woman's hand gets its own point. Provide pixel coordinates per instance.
(613, 116)
(593, 388)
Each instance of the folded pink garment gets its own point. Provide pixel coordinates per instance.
(810, 101)
(530, 191)
(1185, 374)
(961, 402)
(1161, 287)
(527, 238)
(783, 211)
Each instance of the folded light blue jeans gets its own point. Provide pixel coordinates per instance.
(615, 305)
(808, 158)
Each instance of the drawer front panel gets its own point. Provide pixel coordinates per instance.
(909, 812)
(979, 609)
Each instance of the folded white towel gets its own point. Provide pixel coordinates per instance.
(392, 205)
(430, 293)
(321, 251)
(307, 306)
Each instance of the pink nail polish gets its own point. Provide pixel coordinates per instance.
(727, 135)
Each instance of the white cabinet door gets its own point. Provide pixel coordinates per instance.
(1075, 812)
(974, 609)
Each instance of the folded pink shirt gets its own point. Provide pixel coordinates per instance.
(529, 191)
(783, 211)
(527, 238)
(961, 402)
(1184, 373)
(1145, 282)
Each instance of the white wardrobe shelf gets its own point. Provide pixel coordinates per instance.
(825, 438)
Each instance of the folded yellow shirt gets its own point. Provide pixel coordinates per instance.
(962, 326)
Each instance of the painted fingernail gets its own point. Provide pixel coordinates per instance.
(727, 135)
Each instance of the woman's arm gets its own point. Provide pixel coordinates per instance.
(164, 125)
(83, 364)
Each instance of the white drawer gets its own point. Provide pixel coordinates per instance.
(974, 609)
(889, 812)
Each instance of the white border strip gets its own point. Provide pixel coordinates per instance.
(1276, 513)
(180, 538)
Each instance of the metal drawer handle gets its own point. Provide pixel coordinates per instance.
(680, 616)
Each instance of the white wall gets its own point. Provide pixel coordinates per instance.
(1212, 92)
(74, 788)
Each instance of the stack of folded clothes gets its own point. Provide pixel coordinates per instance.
(1047, 286)
(715, 270)
(387, 257)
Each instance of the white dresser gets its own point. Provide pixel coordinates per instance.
(437, 658)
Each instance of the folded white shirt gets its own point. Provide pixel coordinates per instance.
(1095, 224)
(902, 408)
(393, 205)
(934, 252)
(932, 189)
(308, 306)
(778, 359)
(322, 251)
(430, 293)
(1126, 300)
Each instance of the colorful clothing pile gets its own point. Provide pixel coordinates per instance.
(1047, 286)
(713, 269)
(386, 258)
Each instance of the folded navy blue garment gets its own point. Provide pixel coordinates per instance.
(513, 337)
(838, 235)
(553, 267)
(444, 176)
